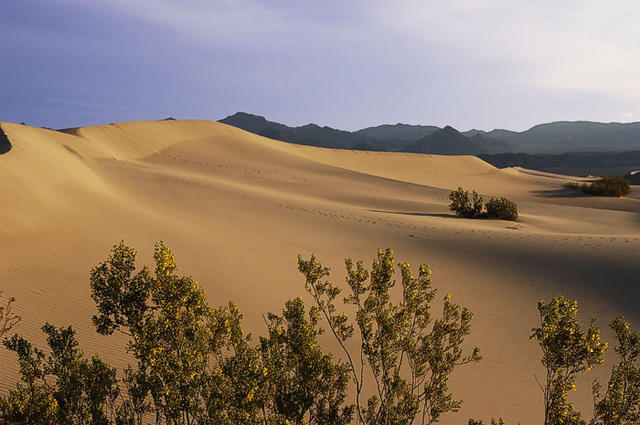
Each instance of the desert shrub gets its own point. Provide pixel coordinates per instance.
(502, 209)
(8, 319)
(464, 205)
(408, 354)
(607, 186)
(196, 364)
(567, 350)
(60, 387)
(471, 206)
(301, 377)
(168, 321)
(573, 186)
(32, 404)
(620, 404)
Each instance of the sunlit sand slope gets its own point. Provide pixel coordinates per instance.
(237, 208)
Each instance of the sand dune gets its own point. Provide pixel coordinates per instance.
(237, 208)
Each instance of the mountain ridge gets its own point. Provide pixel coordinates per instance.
(449, 141)
(387, 137)
(553, 137)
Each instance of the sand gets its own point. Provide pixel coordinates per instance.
(237, 209)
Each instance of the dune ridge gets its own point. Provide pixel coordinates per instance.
(237, 208)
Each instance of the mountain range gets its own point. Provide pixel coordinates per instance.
(398, 137)
(310, 134)
(552, 137)
(571, 136)
(449, 141)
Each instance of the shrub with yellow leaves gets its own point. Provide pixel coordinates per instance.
(167, 318)
(197, 364)
(567, 350)
(407, 353)
(620, 404)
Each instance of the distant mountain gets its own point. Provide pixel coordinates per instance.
(473, 132)
(570, 163)
(310, 134)
(396, 137)
(368, 147)
(573, 135)
(449, 141)
(398, 131)
(489, 144)
(555, 137)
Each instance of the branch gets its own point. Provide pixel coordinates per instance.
(358, 383)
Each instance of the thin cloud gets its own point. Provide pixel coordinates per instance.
(494, 63)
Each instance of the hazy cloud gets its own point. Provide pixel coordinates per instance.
(494, 63)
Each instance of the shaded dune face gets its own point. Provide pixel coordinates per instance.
(237, 209)
(5, 144)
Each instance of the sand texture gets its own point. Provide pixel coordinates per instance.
(237, 209)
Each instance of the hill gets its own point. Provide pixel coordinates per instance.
(310, 134)
(573, 163)
(574, 135)
(397, 137)
(400, 132)
(449, 141)
(556, 137)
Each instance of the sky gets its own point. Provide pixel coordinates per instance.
(346, 64)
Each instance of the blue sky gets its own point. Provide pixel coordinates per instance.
(346, 64)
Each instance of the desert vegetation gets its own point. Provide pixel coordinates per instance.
(194, 364)
(465, 205)
(502, 209)
(471, 206)
(389, 334)
(607, 186)
(567, 350)
(8, 319)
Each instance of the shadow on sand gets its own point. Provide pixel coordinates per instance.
(5, 144)
(417, 214)
(560, 193)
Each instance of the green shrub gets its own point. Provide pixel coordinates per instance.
(465, 206)
(408, 352)
(573, 186)
(607, 186)
(568, 350)
(194, 364)
(502, 209)
(620, 403)
(471, 206)
(60, 387)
